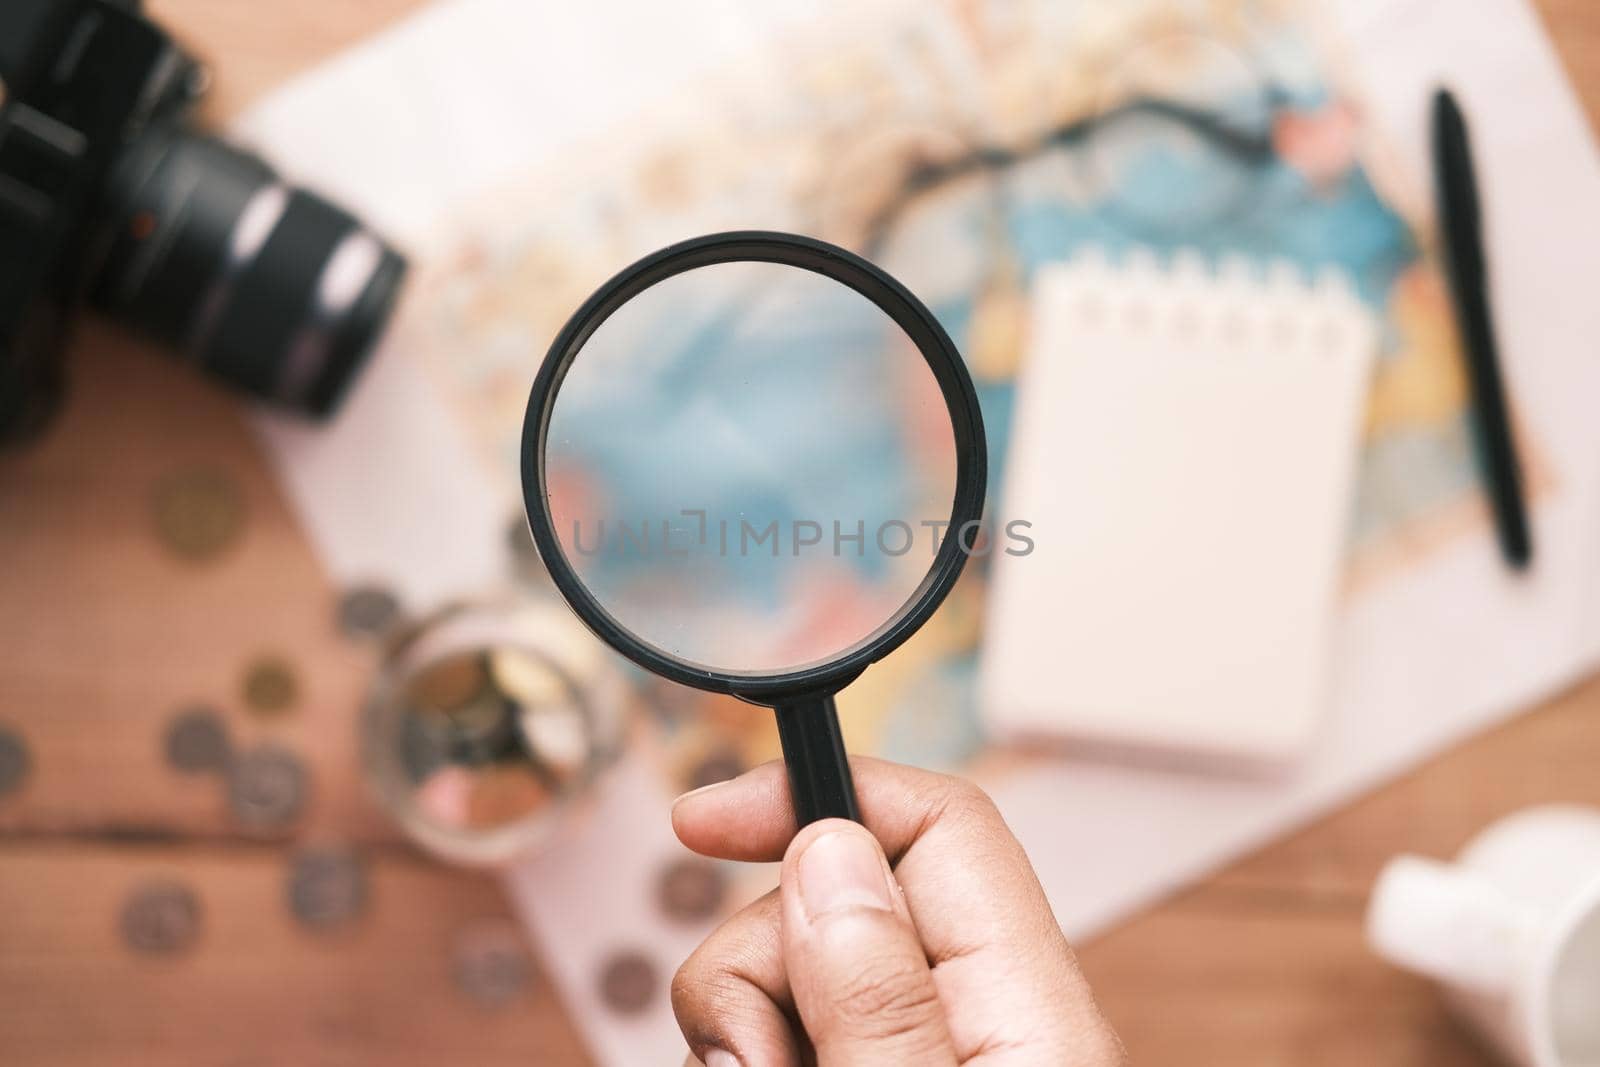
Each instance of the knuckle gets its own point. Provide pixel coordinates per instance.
(705, 978)
(726, 968)
(966, 802)
(686, 983)
(888, 1001)
(968, 792)
(709, 1001)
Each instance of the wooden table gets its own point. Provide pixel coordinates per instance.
(103, 637)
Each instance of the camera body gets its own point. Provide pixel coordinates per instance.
(107, 197)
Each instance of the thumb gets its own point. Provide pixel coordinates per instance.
(860, 977)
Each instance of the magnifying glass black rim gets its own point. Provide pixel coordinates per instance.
(961, 400)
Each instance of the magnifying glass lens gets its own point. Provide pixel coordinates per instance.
(750, 467)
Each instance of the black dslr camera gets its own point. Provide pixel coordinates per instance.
(107, 197)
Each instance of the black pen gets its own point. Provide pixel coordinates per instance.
(1460, 223)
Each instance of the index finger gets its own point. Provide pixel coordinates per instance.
(750, 817)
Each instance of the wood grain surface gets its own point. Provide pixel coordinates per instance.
(103, 637)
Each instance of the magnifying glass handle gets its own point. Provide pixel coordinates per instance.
(813, 751)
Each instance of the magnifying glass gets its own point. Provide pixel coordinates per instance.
(754, 463)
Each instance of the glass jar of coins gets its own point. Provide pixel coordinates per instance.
(488, 723)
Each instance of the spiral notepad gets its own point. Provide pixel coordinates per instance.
(1184, 450)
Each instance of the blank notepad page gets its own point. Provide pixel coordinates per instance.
(1184, 449)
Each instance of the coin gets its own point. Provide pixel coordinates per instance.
(198, 512)
(197, 742)
(267, 787)
(628, 982)
(368, 611)
(527, 677)
(327, 885)
(557, 738)
(161, 918)
(449, 682)
(424, 745)
(270, 685)
(14, 760)
(482, 730)
(504, 793)
(491, 963)
(691, 889)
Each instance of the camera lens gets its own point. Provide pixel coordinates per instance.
(266, 286)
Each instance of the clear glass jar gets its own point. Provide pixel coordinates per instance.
(489, 724)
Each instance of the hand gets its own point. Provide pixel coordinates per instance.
(943, 952)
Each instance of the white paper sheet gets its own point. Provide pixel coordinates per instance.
(1449, 647)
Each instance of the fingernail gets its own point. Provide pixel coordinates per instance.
(700, 792)
(839, 871)
(714, 1057)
